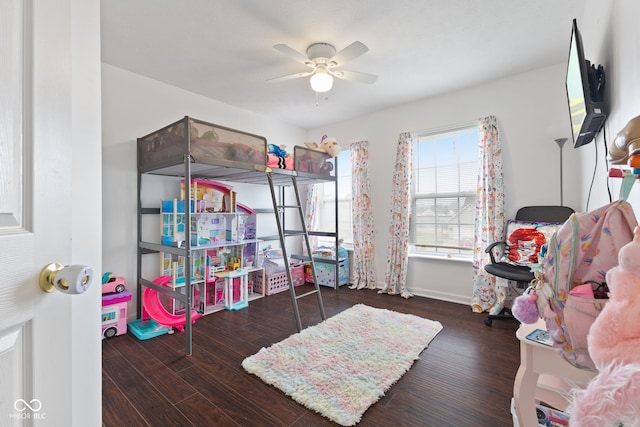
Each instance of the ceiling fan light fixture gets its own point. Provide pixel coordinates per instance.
(321, 81)
(323, 61)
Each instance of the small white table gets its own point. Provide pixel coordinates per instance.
(543, 375)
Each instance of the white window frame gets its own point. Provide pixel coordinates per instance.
(326, 201)
(460, 247)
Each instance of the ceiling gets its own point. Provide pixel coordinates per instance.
(223, 49)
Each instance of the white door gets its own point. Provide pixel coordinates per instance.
(50, 210)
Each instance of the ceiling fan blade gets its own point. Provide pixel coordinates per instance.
(293, 54)
(349, 53)
(290, 77)
(354, 76)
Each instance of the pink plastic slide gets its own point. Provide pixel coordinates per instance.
(154, 309)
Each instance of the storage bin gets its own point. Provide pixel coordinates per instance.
(274, 265)
(278, 282)
(327, 276)
(326, 272)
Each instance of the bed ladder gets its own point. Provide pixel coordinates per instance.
(279, 210)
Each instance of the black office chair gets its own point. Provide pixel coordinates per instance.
(518, 273)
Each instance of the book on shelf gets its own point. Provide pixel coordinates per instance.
(540, 336)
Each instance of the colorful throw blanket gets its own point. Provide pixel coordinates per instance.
(280, 162)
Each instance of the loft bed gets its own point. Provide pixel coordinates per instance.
(195, 149)
(218, 152)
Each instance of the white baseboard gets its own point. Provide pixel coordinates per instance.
(442, 296)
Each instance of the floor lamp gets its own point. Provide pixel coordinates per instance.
(560, 142)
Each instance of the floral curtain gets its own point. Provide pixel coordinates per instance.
(398, 248)
(363, 267)
(488, 295)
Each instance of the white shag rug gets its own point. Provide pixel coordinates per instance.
(344, 364)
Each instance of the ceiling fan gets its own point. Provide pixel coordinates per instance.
(324, 61)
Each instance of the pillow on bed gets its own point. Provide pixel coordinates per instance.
(524, 240)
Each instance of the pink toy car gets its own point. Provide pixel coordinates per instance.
(112, 284)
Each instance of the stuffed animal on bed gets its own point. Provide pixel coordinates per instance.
(279, 151)
(612, 398)
(315, 162)
(327, 145)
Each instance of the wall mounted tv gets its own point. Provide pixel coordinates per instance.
(585, 87)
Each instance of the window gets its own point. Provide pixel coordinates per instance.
(327, 208)
(445, 169)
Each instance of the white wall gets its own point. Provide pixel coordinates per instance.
(531, 111)
(134, 106)
(611, 37)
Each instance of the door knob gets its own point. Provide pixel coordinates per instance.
(69, 279)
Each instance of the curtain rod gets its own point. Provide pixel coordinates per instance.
(441, 129)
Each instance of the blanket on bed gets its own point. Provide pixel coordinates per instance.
(280, 162)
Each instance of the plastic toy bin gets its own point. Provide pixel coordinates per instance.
(278, 282)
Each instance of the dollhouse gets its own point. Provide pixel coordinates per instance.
(222, 239)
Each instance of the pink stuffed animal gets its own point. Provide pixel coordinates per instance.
(614, 345)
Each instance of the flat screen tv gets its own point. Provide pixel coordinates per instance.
(585, 85)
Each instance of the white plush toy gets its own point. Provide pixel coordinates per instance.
(327, 145)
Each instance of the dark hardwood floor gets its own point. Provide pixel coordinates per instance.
(464, 378)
